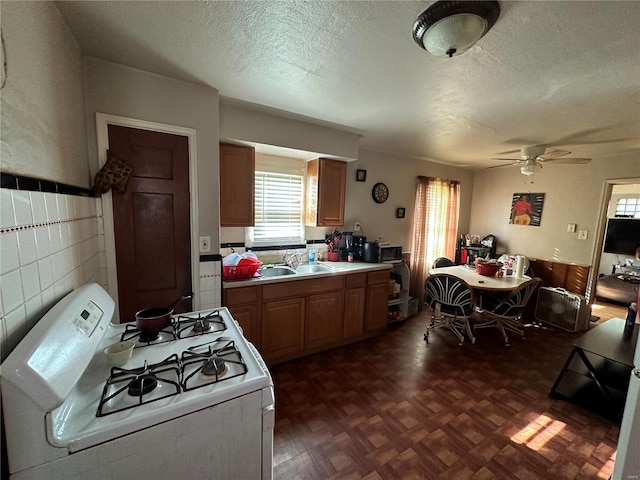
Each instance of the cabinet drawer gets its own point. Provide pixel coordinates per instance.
(301, 288)
(241, 296)
(356, 280)
(381, 276)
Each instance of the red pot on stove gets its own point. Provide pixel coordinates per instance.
(154, 319)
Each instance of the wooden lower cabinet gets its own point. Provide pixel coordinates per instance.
(244, 305)
(248, 316)
(324, 319)
(354, 311)
(290, 319)
(283, 327)
(377, 301)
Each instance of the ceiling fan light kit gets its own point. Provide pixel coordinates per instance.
(449, 28)
(532, 158)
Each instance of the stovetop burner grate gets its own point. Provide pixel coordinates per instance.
(182, 326)
(129, 388)
(211, 363)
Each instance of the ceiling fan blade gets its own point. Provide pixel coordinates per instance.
(508, 159)
(508, 165)
(574, 161)
(510, 151)
(554, 154)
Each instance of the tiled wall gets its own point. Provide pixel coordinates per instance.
(210, 283)
(50, 244)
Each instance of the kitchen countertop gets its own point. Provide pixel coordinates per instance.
(338, 268)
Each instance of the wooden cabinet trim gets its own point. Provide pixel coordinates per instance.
(355, 280)
(241, 295)
(381, 276)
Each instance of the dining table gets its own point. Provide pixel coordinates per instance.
(481, 282)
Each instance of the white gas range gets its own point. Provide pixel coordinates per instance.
(196, 402)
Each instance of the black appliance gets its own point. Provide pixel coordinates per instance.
(352, 244)
(371, 252)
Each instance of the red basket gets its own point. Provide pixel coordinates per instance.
(488, 269)
(240, 272)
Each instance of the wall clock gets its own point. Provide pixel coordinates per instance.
(380, 193)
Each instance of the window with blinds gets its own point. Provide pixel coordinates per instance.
(278, 209)
(628, 208)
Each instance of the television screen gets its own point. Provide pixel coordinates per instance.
(623, 236)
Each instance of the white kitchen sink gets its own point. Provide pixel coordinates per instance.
(313, 268)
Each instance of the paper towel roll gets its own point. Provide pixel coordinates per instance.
(519, 270)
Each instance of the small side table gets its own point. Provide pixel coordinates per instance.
(597, 371)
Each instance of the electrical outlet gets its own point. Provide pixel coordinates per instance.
(571, 228)
(582, 235)
(205, 244)
(357, 227)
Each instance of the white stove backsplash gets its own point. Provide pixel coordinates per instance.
(210, 284)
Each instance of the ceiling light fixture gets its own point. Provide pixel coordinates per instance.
(451, 28)
(530, 167)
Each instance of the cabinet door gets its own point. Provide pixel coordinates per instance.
(332, 182)
(247, 317)
(282, 327)
(354, 309)
(237, 167)
(326, 185)
(376, 316)
(323, 321)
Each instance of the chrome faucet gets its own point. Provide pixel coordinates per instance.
(292, 260)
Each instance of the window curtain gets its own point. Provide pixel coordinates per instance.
(435, 222)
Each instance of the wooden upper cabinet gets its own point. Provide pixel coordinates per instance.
(237, 170)
(326, 185)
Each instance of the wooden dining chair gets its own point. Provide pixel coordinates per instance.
(504, 311)
(451, 300)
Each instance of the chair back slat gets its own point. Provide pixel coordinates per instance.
(450, 291)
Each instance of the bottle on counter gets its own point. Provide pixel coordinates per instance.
(631, 319)
(312, 256)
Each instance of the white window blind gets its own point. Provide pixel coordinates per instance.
(628, 207)
(278, 209)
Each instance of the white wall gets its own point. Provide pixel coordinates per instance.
(573, 194)
(43, 127)
(127, 92)
(400, 175)
(49, 243)
(258, 126)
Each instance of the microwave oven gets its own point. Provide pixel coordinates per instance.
(390, 253)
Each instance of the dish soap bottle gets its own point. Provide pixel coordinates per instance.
(312, 256)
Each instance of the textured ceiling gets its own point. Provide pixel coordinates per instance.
(562, 73)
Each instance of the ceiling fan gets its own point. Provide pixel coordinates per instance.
(534, 156)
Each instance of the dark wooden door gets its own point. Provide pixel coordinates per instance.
(151, 220)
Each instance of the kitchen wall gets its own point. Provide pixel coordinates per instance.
(241, 123)
(573, 194)
(400, 175)
(128, 92)
(50, 243)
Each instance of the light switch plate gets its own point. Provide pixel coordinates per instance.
(205, 244)
(571, 228)
(582, 235)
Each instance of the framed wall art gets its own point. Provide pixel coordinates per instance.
(526, 209)
(400, 212)
(361, 175)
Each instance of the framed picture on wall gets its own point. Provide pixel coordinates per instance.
(361, 175)
(526, 209)
(400, 212)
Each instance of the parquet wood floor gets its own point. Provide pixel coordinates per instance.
(394, 407)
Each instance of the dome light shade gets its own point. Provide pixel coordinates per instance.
(449, 28)
(529, 168)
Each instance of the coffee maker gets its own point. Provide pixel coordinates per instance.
(352, 244)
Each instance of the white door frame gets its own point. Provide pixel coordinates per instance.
(607, 190)
(102, 133)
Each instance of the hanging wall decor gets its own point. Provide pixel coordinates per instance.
(526, 209)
